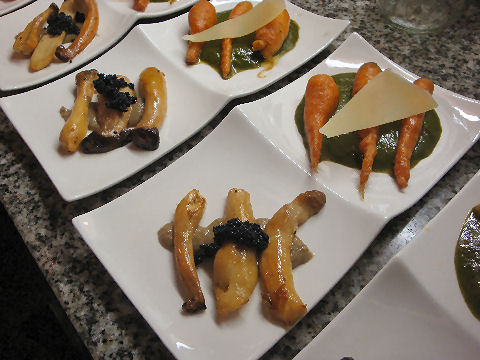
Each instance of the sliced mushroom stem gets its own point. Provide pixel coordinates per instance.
(87, 32)
(235, 270)
(76, 126)
(279, 292)
(187, 217)
(45, 51)
(26, 41)
(154, 90)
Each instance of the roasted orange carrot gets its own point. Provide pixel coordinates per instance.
(226, 58)
(201, 16)
(409, 133)
(321, 100)
(269, 39)
(140, 5)
(368, 137)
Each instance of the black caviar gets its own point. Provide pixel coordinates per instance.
(79, 17)
(205, 251)
(59, 22)
(240, 232)
(109, 86)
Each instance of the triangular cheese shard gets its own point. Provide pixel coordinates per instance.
(387, 97)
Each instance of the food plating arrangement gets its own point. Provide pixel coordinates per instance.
(327, 144)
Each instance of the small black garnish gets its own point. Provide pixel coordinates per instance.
(109, 85)
(240, 232)
(205, 251)
(58, 22)
(79, 17)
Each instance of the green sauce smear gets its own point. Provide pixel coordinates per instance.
(467, 261)
(344, 149)
(243, 58)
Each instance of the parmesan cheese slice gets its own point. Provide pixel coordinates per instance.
(244, 24)
(387, 97)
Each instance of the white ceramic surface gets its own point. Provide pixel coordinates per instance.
(7, 6)
(123, 235)
(116, 18)
(413, 308)
(200, 86)
(251, 149)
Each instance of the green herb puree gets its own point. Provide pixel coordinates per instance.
(344, 149)
(243, 58)
(467, 261)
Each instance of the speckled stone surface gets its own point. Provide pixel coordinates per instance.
(107, 322)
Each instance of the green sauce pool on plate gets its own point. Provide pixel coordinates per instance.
(243, 58)
(467, 261)
(344, 149)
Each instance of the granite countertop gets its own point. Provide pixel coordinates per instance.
(107, 322)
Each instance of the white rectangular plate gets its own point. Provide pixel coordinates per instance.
(79, 175)
(413, 308)
(9, 6)
(241, 152)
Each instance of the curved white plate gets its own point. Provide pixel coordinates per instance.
(159, 45)
(116, 18)
(413, 308)
(252, 149)
(7, 6)
(459, 116)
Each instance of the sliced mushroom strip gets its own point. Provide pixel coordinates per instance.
(76, 126)
(26, 41)
(44, 53)
(153, 89)
(187, 216)
(235, 270)
(278, 291)
(87, 32)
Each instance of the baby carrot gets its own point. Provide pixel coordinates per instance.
(140, 5)
(321, 100)
(226, 58)
(201, 16)
(269, 39)
(368, 137)
(409, 133)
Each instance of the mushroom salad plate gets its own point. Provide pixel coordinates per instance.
(116, 18)
(414, 305)
(7, 6)
(257, 148)
(200, 86)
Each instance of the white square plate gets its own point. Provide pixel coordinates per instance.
(200, 86)
(413, 308)
(253, 150)
(9, 6)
